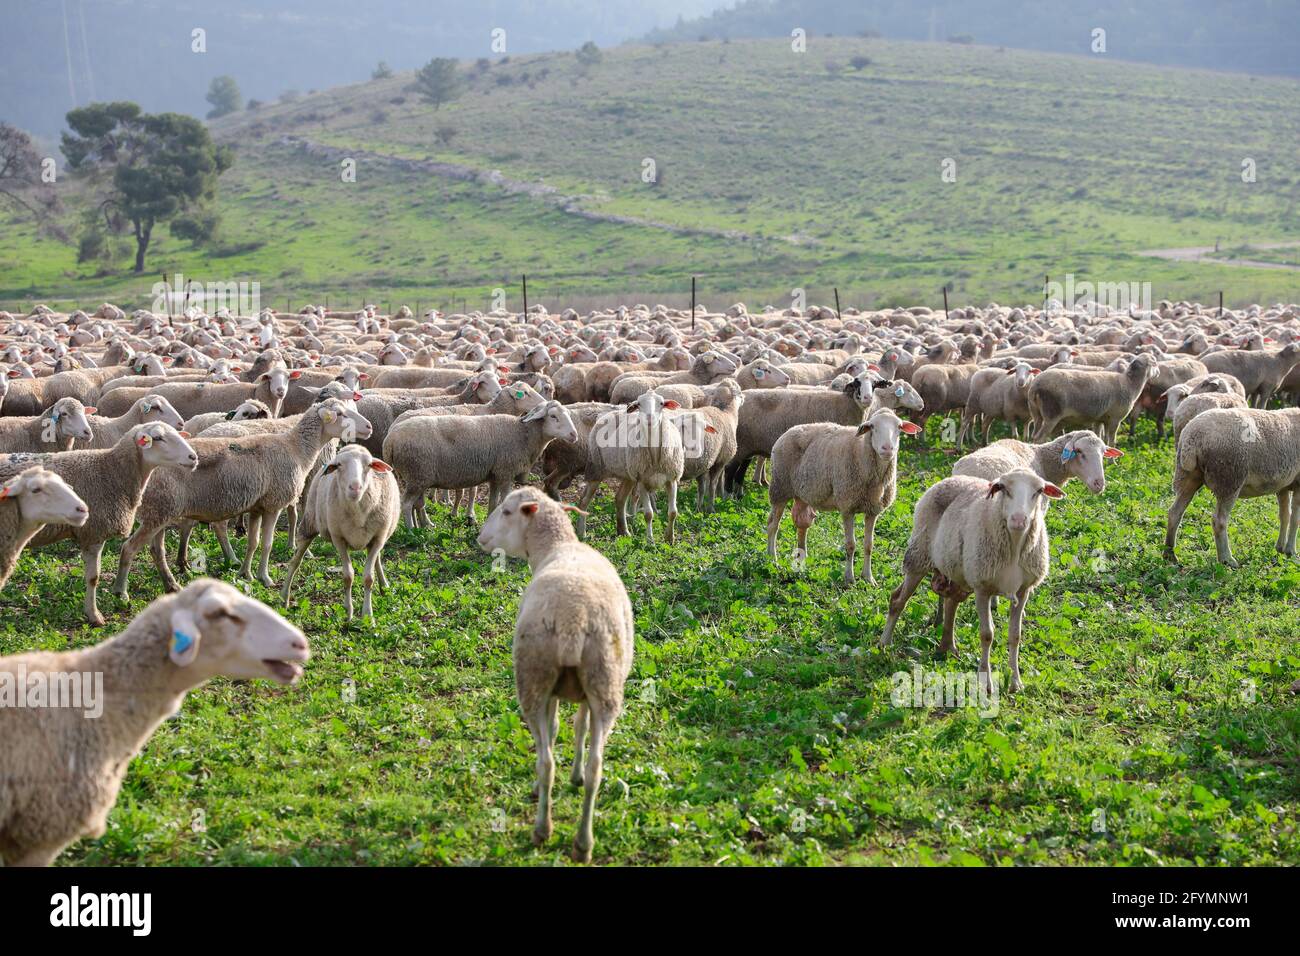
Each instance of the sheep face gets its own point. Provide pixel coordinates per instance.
(1085, 458)
(507, 527)
(161, 445)
(767, 375)
(277, 379)
(1172, 396)
(341, 420)
(557, 424)
(45, 498)
(883, 430)
(1024, 373)
(352, 470)
(67, 419)
(216, 631)
(150, 364)
(1020, 493)
(155, 408)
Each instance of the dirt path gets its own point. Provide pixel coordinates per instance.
(1201, 254)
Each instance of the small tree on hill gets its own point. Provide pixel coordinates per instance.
(381, 72)
(589, 56)
(438, 81)
(224, 96)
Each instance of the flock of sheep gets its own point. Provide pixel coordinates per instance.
(122, 427)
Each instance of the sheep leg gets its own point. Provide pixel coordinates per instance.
(648, 509)
(850, 547)
(985, 611)
(948, 645)
(671, 523)
(760, 473)
(298, 554)
(130, 548)
(292, 519)
(345, 567)
(803, 515)
(897, 601)
(183, 531)
(90, 558)
(1284, 522)
(588, 492)
(268, 538)
(868, 542)
(774, 527)
(368, 579)
(158, 548)
(1222, 512)
(383, 577)
(250, 546)
(1295, 521)
(580, 721)
(1185, 487)
(602, 722)
(223, 538)
(620, 498)
(1015, 621)
(967, 417)
(735, 477)
(539, 722)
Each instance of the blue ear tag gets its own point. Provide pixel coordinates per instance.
(181, 642)
(1067, 454)
(899, 391)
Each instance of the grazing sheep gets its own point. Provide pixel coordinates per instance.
(837, 467)
(641, 448)
(972, 535)
(563, 461)
(354, 502)
(1067, 395)
(463, 451)
(249, 410)
(195, 398)
(53, 430)
(1079, 454)
(111, 481)
(259, 474)
(573, 641)
(28, 502)
(943, 388)
(997, 396)
(1259, 372)
(60, 772)
(1238, 453)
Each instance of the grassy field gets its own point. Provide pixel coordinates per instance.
(1156, 726)
(831, 174)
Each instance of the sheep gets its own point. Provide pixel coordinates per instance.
(259, 474)
(248, 410)
(151, 408)
(990, 538)
(997, 396)
(462, 451)
(1238, 453)
(1193, 405)
(1166, 375)
(1068, 395)
(821, 465)
(1078, 454)
(943, 388)
(59, 772)
(715, 438)
(112, 482)
(642, 448)
(769, 413)
(1259, 372)
(894, 394)
(356, 503)
(53, 430)
(562, 461)
(194, 398)
(573, 640)
(707, 368)
(28, 502)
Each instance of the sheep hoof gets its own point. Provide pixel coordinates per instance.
(266, 581)
(1015, 686)
(581, 854)
(576, 778)
(541, 834)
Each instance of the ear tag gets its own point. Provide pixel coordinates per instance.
(327, 417)
(1067, 454)
(181, 642)
(519, 394)
(54, 417)
(899, 392)
(144, 441)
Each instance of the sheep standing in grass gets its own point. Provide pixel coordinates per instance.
(573, 641)
(1238, 453)
(838, 467)
(28, 502)
(112, 482)
(1079, 454)
(971, 535)
(354, 502)
(60, 772)
(53, 430)
(1064, 396)
(995, 396)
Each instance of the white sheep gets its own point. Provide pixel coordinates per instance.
(573, 641)
(354, 502)
(971, 535)
(59, 771)
(28, 502)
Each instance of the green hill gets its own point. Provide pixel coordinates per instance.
(775, 170)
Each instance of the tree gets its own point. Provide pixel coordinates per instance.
(589, 55)
(381, 72)
(444, 133)
(224, 96)
(160, 165)
(438, 81)
(21, 182)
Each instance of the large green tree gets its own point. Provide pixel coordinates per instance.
(156, 166)
(438, 81)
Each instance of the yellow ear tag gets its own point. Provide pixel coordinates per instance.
(327, 417)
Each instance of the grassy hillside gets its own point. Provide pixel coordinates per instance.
(784, 170)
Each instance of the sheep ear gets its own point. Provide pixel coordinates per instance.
(1052, 491)
(864, 428)
(13, 488)
(185, 434)
(90, 409)
(1112, 453)
(873, 368)
(296, 373)
(378, 465)
(530, 508)
(1034, 371)
(576, 510)
(330, 468)
(671, 404)
(1012, 370)
(909, 428)
(183, 647)
(994, 488)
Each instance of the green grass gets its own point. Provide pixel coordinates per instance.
(1155, 693)
(1064, 165)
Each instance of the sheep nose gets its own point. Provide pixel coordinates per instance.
(1098, 485)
